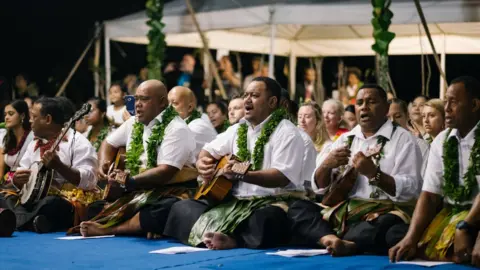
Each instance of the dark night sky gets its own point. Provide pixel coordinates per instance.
(45, 38)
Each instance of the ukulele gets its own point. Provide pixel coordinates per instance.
(219, 187)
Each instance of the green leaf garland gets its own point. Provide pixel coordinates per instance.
(195, 115)
(136, 149)
(100, 137)
(451, 164)
(258, 151)
(156, 45)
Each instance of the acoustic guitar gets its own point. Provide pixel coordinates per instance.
(219, 187)
(344, 182)
(115, 189)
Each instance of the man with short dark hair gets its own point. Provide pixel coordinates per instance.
(74, 163)
(446, 221)
(254, 217)
(387, 163)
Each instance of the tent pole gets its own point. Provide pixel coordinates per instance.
(443, 59)
(108, 69)
(96, 64)
(293, 74)
(271, 58)
(77, 64)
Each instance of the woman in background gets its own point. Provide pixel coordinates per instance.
(416, 120)
(332, 116)
(433, 115)
(310, 121)
(349, 116)
(218, 115)
(16, 140)
(98, 122)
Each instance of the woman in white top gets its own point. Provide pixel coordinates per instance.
(117, 113)
(14, 144)
(433, 118)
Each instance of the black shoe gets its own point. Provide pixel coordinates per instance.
(41, 224)
(7, 222)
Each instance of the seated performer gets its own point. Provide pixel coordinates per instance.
(236, 110)
(74, 163)
(158, 144)
(371, 218)
(255, 216)
(184, 102)
(18, 137)
(445, 225)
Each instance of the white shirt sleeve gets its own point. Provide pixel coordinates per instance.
(85, 161)
(407, 169)
(177, 146)
(223, 143)
(308, 161)
(119, 137)
(26, 160)
(203, 133)
(287, 156)
(432, 181)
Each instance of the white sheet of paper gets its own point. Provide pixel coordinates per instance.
(424, 263)
(299, 252)
(178, 250)
(83, 238)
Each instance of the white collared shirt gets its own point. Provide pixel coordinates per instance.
(76, 152)
(401, 160)
(175, 150)
(433, 180)
(203, 131)
(284, 152)
(308, 157)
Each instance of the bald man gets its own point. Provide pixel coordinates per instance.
(184, 102)
(147, 181)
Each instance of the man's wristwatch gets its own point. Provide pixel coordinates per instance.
(374, 181)
(469, 228)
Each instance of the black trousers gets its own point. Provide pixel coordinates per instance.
(376, 236)
(57, 210)
(266, 227)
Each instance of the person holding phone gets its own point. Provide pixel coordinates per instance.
(116, 112)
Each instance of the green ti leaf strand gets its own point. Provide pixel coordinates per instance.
(195, 115)
(451, 164)
(258, 151)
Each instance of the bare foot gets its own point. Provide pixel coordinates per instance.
(153, 236)
(219, 241)
(338, 247)
(88, 228)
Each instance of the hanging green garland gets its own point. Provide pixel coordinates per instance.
(451, 164)
(136, 149)
(100, 137)
(258, 151)
(195, 115)
(156, 45)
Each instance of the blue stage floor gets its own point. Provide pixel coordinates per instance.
(33, 251)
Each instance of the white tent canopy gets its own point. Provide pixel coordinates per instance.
(307, 28)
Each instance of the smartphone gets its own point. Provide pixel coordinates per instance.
(130, 104)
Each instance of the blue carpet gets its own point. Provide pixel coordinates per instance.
(33, 251)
